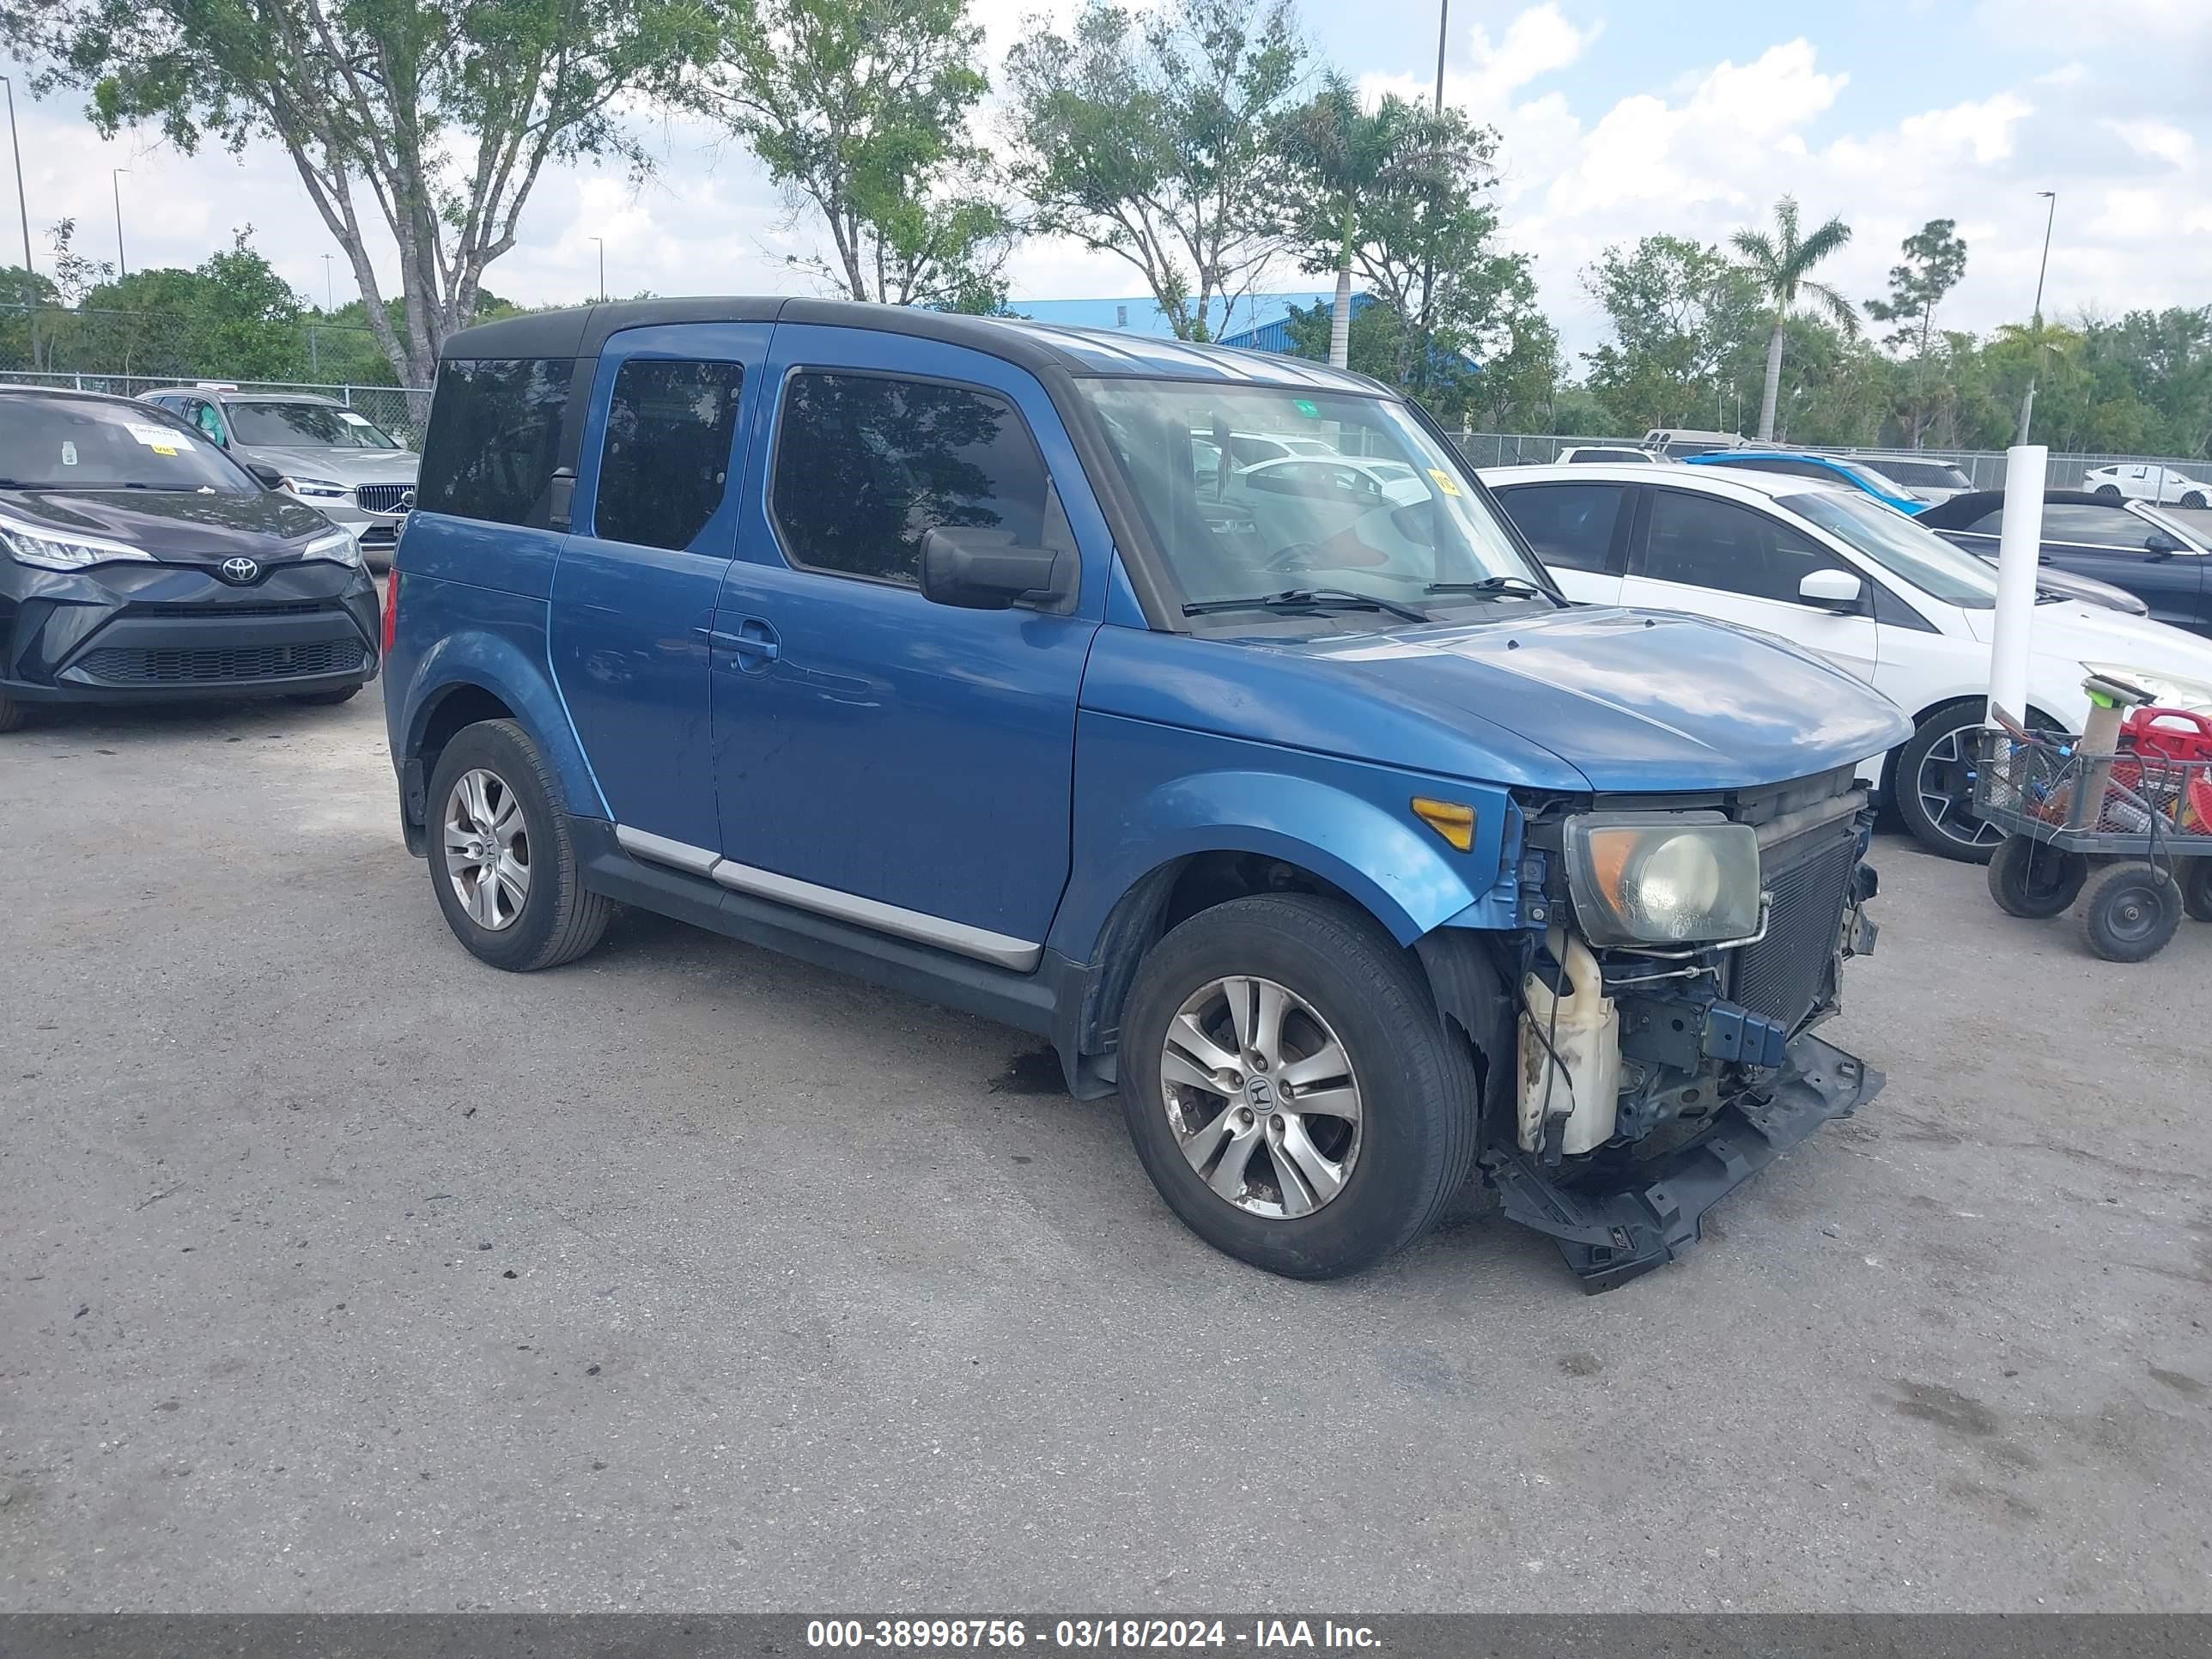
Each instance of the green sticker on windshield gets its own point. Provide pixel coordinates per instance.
(1307, 406)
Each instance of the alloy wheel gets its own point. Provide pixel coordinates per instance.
(1262, 1095)
(1945, 785)
(487, 848)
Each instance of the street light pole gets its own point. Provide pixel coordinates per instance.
(602, 241)
(1444, 28)
(330, 303)
(115, 182)
(22, 206)
(2027, 403)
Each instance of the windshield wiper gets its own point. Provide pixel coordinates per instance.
(1518, 587)
(1306, 599)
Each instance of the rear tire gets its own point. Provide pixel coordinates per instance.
(2027, 878)
(1349, 1191)
(2128, 911)
(2197, 892)
(1934, 786)
(505, 869)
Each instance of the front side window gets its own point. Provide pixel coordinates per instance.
(2096, 527)
(1224, 535)
(494, 439)
(868, 464)
(281, 425)
(81, 443)
(1701, 542)
(665, 461)
(1570, 525)
(209, 419)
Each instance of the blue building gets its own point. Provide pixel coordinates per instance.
(1257, 322)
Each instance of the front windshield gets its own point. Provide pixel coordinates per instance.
(1900, 546)
(304, 426)
(80, 443)
(1366, 503)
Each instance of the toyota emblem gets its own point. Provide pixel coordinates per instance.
(238, 572)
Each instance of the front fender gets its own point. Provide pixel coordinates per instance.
(1350, 824)
(491, 657)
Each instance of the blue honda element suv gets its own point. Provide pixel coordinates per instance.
(1288, 799)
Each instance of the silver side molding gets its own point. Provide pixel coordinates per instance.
(980, 942)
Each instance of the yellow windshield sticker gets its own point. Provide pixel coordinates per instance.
(1445, 481)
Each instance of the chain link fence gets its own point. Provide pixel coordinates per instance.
(1985, 467)
(400, 410)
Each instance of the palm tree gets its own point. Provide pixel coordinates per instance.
(1779, 265)
(1342, 151)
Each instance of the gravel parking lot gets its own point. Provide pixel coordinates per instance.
(339, 1272)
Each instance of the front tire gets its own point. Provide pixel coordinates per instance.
(1290, 1088)
(502, 861)
(2128, 911)
(2027, 878)
(2194, 500)
(12, 714)
(2108, 492)
(1935, 786)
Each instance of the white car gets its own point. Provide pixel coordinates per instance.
(1838, 574)
(1590, 454)
(1336, 478)
(2166, 486)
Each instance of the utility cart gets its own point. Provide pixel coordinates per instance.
(2116, 825)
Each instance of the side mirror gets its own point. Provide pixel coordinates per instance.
(270, 477)
(2159, 545)
(976, 569)
(1835, 590)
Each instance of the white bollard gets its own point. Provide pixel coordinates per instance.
(2020, 541)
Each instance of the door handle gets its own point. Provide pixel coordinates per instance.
(753, 641)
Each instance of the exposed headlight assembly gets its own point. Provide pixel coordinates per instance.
(337, 546)
(58, 549)
(1663, 877)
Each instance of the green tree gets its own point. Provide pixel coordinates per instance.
(860, 107)
(429, 121)
(1337, 154)
(1781, 265)
(1153, 138)
(1680, 312)
(1934, 261)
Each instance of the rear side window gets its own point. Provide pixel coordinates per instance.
(2098, 527)
(866, 465)
(1569, 524)
(666, 458)
(494, 439)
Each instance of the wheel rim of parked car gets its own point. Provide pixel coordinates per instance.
(1946, 788)
(487, 848)
(1262, 1095)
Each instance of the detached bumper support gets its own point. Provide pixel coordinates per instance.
(1610, 1237)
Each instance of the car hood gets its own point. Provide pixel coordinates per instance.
(345, 466)
(179, 526)
(1636, 700)
(2067, 634)
(1614, 701)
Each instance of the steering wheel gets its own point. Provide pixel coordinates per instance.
(1295, 557)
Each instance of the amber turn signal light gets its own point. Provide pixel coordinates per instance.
(1453, 820)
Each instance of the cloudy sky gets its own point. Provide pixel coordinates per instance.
(1618, 120)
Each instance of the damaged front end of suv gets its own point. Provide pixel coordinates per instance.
(1673, 957)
